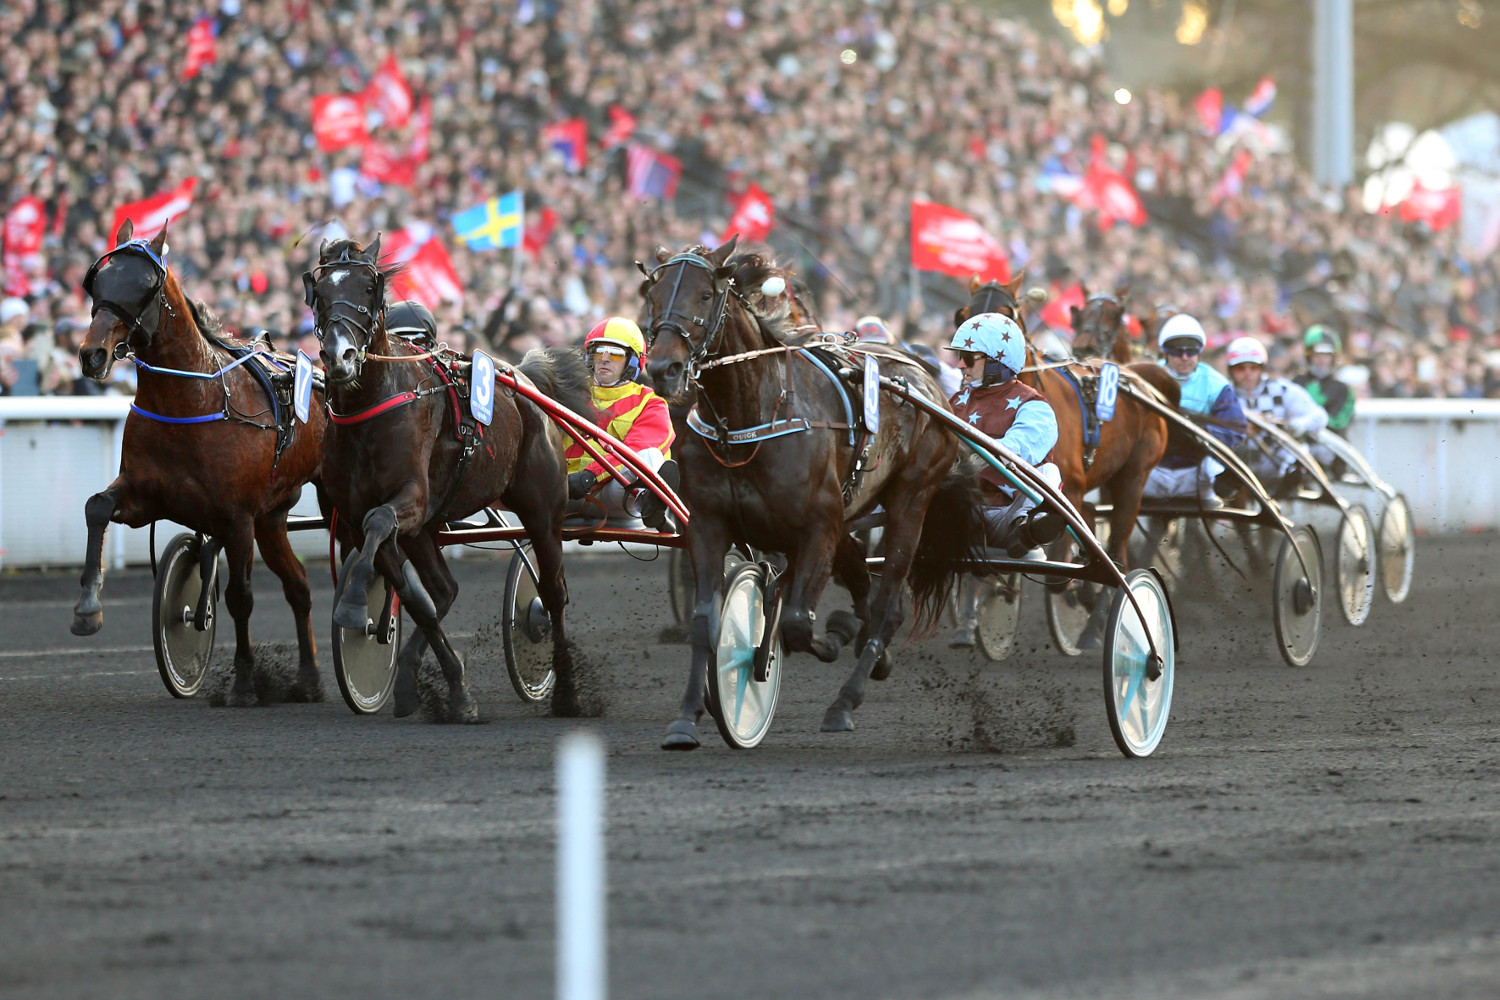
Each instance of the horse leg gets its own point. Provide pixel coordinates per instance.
(276, 552)
(239, 548)
(809, 569)
(854, 573)
(380, 524)
(424, 555)
(708, 541)
(101, 508)
(903, 529)
(419, 604)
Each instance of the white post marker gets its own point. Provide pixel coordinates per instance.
(582, 943)
(482, 388)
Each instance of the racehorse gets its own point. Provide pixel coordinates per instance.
(774, 463)
(402, 457)
(1099, 328)
(1130, 444)
(200, 448)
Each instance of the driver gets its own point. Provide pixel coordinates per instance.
(992, 350)
(632, 413)
(1284, 402)
(1321, 347)
(411, 320)
(1208, 399)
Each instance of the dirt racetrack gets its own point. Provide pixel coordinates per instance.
(1320, 832)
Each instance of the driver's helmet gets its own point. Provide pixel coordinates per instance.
(620, 334)
(410, 320)
(994, 335)
(1245, 351)
(1319, 339)
(872, 328)
(1181, 326)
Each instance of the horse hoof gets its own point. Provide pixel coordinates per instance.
(681, 735)
(241, 699)
(307, 691)
(351, 615)
(465, 713)
(883, 666)
(405, 703)
(838, 720)
(87, 624)
(842, 626)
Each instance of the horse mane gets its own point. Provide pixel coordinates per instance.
(338, 248)
(775, 315)
(561, 373)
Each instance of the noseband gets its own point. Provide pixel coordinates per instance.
(136, 323)
(712, 324)
(361, 332)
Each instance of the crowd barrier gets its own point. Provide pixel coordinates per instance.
(56, 452)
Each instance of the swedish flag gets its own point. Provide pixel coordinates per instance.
(497, 223)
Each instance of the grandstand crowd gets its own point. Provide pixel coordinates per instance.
(942, 101)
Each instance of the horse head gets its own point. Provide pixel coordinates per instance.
(129, 289)
(992, 297)
(1098, 325)
(346, 291)
(686, 299)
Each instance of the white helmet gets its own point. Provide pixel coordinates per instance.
(1179, 326)
(1245, 351)
(995, 335)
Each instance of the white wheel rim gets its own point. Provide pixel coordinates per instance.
(1356, 566)
(1298, 632)
(183, 651)
(366, 666)
(999, 614)
(1396, 550)
(1139, 706)
(746, 705)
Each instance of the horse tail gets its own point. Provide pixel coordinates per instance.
(561, 373)
(952, 533)
(1161, 380)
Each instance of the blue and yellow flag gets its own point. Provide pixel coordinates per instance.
(495, 224)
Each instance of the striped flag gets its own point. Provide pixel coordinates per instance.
(651, 174)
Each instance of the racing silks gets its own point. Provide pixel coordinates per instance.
(632, 413)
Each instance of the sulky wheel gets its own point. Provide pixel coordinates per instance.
(526, 628)
(744, 704)
(364, 659)
(1138, 691)
(1297, 593)
(1396, 549)
(1354, 566)
(1075, 608)
(182, 649)
(999, 615)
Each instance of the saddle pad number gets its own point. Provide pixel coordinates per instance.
(872, 394)
(1109, 391)
(482, 388)
(302, 383)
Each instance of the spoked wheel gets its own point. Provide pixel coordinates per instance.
(999, 615)
(744, 702)
(1138, 691)
(1354, 566)
(364, 659)
(527, 630)
(680, 585)
(1072, 605)
(182, 651)
(1397, 549)
(1297, 593)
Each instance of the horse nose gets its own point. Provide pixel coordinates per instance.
(92, 361)
(665, 372)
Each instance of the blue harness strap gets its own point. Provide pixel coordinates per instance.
(838, 386)
(1091, 427)
(176, 420)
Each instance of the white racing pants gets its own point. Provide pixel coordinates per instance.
(1193, 481)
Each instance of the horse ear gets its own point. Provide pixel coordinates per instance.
(159, 241)
(372, 252)
(1015, 283)
(646, 287)
(974, 285)
(642, 268)
(662, 253)
(1122, 292)
(322, 250)
(123, 234)
(1083, 286)
(726, 248)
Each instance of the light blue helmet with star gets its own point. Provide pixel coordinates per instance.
(994, 335)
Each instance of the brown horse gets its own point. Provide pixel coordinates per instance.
(198, 449)
(802, 475)
(1099, 327)
(1130, 444)
(401, 458)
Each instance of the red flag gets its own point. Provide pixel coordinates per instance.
(1233, 180)
(421, 136)
(428, 275)
(1108, 191)
(621, 127)
(338, 120)
(25, 225)
(753, 217)
(944, 239)
(571, 138)
(388, 93)
(1057, 312)
(651, 174)
(535, 237)
(1210, 108)
(200, 48)
(1439, 208)
(384, 164)
(149, 215)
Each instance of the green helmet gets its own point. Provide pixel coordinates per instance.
(1319, 339)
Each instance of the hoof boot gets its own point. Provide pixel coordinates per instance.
(838, 720)
(681, 735)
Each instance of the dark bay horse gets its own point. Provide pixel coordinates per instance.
(400, 460)
(1130, 444)
(1099, 327)
(200, 451)
(799, 481)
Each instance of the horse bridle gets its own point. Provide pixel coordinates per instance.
(135, 322)
(712, 324)
(310, 280)
(1111, 298)
(1007, 300)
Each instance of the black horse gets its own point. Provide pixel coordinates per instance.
(796, 492)
(400, 459)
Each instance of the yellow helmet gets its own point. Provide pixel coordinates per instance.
(619, 331)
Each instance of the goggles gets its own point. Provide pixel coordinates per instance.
(1188, 350)
(608, 350)
(967, 358)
